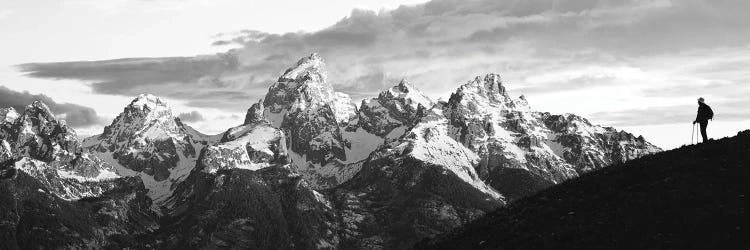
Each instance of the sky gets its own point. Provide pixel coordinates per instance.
(637, 65)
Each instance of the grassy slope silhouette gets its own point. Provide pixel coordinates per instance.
(693, 197)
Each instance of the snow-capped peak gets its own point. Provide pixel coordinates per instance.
(148, 116)
(148, 141)
(407, 92)
(39, 108)
(147, 101)
(8, 115)
(300, 87)
(489, 87)
(150, 106)
(310, 68)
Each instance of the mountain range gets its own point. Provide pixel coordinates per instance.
(307, 169)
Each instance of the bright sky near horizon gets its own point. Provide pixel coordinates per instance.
(637, 65)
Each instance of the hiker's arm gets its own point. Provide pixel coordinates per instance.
(698, 116)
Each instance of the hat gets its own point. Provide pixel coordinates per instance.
(701, 99)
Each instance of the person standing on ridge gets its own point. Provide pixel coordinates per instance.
(704, 114)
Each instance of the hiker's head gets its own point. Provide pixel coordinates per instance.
(701, 100)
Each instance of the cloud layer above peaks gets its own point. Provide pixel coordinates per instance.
(541, 47)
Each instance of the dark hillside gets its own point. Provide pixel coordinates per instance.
(693, 197)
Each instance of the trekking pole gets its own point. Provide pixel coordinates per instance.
(692, 135)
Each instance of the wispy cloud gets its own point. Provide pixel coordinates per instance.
(192, 116)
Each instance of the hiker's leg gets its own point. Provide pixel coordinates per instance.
(703, 130)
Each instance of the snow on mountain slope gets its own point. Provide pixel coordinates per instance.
(397, 107)
(8, 115)
(304, 106)
(459, 159)
(148, 141)
(250, 146)
(67, 184)
(344, 107)
(46, 149)
(419, 185)
(307, 166)
(243, 192)
(523, 150)
(6, 152)
(429, 142)
(38, 134)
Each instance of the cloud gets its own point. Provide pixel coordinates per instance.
(74, 115)
(440, 44)
(192, 116)
(183, 78)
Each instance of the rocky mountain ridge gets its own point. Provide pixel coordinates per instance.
(330, 174)
(54, 195)
(148, 141)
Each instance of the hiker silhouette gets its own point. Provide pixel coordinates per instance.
(704, 114)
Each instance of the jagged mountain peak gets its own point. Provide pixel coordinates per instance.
(307, 69)
(404, 85)
(486, 94)
(148, 141)
(300, 87)
(148, 101)
(254, 113)
(489, 87)
(39, 108)
(149, 105)
(147, 116)
(8, 115)
(404, 90)
(37, 134)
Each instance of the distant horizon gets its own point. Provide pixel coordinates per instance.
(637, 66)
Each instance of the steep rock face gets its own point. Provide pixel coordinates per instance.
(384, 119)
(465, 157)
(147, 140)
(38, 134)
(523, 151)
(47, 149)
(625, 206)
(70, 180)
(418, 186)
(268, 208)
(396, 108)
(33, 216)
(243, 194)
(6, 153)
(255, 113)
(8, 115)
(54, 196)
(252, 146)
(303, 105)
(307, 169)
